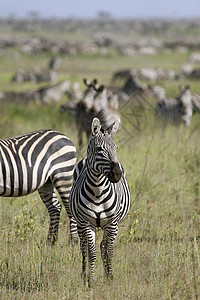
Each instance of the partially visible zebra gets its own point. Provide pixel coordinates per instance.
(157, 91)
(90, 92)
(42, 160)
(134, 85)
(176, 110)
(80, 106)
(105, 107)
(52, 93)
(36, 75)
(47, 94)
(54, 63)
(100, 197)
(195, 100)
(18, 97)
(84, 115)
(74, 97)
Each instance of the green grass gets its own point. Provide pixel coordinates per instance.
(156, 252)
(157, 247)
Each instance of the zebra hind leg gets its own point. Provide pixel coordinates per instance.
(64, 191)
(107, 250)
(87, 245)
(73, 224)
(49, 198)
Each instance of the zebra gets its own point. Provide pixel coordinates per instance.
(196, 102)
(52, 93)
(74, 97)
(54, 63)
(99, 197)
(134, 85)
(23, 97)
(176, 110)
(41, 160)
(84, 116)
(105, 107)
(89, 93)
(157, 91)
(47, 94)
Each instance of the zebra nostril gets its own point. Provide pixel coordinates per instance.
(115, 173)
(112, 174)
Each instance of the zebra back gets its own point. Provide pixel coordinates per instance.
(28, 160)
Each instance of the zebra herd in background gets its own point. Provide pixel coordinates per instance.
(105, 104)
(36, 75)
(97, 101)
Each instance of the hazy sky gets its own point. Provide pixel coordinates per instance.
(90, 8)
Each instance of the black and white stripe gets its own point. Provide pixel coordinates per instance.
(99, 197)
(42, 160)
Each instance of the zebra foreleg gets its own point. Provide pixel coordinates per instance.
(87, 243)
(107, 250)
(53, 205)
(83, 246)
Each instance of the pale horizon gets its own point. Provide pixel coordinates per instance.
(89, 9)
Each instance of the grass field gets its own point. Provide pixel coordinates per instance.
(157, 250)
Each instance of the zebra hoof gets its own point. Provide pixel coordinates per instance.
(91, 283)
(51, 240)
(74, 241)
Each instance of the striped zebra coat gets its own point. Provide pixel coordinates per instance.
(42, 160)
(99, 197)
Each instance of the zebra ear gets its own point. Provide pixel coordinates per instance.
(94, 82)
(85, 81)
(96, 126)
(99, 89)
(112, 129)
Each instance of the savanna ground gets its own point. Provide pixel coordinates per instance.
(157, 251)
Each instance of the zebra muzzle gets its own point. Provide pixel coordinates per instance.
(115, 173)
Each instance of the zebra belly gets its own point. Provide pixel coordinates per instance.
(14, 191)
(99, 220)
(9, 192)
(99, 215)
(15, 185)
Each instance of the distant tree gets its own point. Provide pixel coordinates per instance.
(33, 14)
(104, 15)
